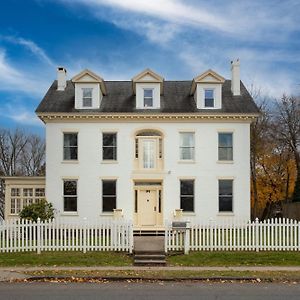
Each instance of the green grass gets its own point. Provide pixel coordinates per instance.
(67, 258)
(236, 259)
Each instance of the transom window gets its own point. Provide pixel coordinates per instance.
(209, 98)
(70, 146)
(109, 195)
(187, 195)
(225, 146)
(187, 146)
(87, 97)
(109, 146)
(225, 195)
(148, 98)
(70, 195)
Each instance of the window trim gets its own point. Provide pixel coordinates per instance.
(182, 160)
(116, 194)
(226, 212)
(226, 161)
(204, 98)
(152, 98)
(192, 196)
(83, 89)
(63, 152)
(114, 160)
(71, 196)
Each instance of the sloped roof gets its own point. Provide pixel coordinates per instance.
(121, 99)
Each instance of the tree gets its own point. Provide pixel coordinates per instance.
(42, 210)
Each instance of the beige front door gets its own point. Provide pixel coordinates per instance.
(147, 207)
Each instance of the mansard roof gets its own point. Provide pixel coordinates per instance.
(120, 98)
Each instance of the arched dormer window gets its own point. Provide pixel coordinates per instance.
(149, 149)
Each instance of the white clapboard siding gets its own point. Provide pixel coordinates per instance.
(53, 235)
(268, 235)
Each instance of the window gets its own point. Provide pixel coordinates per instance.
(187, 195)
(70, 195)
(148, 97)
(225, 146)
(109, 148)
(225, 195)
(70, 146)
(209, 99)
(109, 195)
(187, 146)
(87, 97)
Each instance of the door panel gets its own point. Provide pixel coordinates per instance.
(147, 208)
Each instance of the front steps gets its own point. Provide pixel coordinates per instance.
(149, 250)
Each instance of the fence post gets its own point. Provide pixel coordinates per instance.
(84, 234)
(187, 239)
(130, 234)
(257, 235)
(38, 238)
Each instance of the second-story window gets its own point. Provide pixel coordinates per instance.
(87, 97)
(148, 98)
(109, 146)
(225, 146)
(209, 98)
(187, 146)
(70, 146)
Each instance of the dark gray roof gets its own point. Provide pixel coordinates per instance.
(120, 99)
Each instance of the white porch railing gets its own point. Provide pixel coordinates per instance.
(23, 235)
(270, 235)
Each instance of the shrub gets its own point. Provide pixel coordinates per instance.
(42, 210)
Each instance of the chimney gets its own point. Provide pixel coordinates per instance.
(61, 78)
(235, 78)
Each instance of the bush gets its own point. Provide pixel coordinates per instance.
(42, 210)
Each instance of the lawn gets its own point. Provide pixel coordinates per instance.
(70, 258)
(236, 259)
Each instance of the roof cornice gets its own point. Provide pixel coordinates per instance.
(185, 117)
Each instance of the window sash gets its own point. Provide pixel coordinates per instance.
(187, 146)
(225, 148)
(109, 195)
(187, 199)
(109, 147)
(225, 195)
(209, 98)
(87, 97)
(70, 146)
(148, 98)
(70, 196)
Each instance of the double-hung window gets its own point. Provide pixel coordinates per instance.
(109, 195)
(87, 97)
(209, 98)
(225, 146)
(148, 98)
(187, 195)
(15, 202)
(71, 146)
(70, 195)
(109, 146)
(225, 195)
(187, 146)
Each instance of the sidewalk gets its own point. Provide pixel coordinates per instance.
(17, 273)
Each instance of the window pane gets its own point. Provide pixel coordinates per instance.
(209, 94)
(225, 187)
(148, 102)
(15, 192)
(28, 192)
(225, 154)
(187, 139)
(148, 93)
(70, 139)
(186, 187)
(108, 203)
(149, 154)
(70, 187)
(187, 203)
(109, 139)
(209, 103)
(186, 153)
(87, 92)
(225, 139)
(87, 102)
(70, 153)
(108, 187)
(110, 153)
(70, 203)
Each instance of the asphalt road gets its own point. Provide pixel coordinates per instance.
(157, 291)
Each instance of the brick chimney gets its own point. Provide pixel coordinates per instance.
(61, 78)
(235, 78)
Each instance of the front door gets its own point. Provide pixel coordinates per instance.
(147, 207)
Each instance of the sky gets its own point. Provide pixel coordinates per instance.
(117, 39)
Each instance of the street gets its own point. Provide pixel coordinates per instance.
(157, 290)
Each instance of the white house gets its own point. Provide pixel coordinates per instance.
(147, 149)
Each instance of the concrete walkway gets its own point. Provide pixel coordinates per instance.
(15, 273)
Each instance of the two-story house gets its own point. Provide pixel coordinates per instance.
(147, 148)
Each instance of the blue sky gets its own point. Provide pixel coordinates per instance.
(179, 39)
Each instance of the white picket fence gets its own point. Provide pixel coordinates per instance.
(23, 235)
(270, 235)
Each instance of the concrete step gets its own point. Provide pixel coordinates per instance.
(143, 262)
(150, 256)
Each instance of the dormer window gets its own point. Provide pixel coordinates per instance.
(87, 97)
(148, 98)
(209, 98)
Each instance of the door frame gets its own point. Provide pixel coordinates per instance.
(159, 206)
